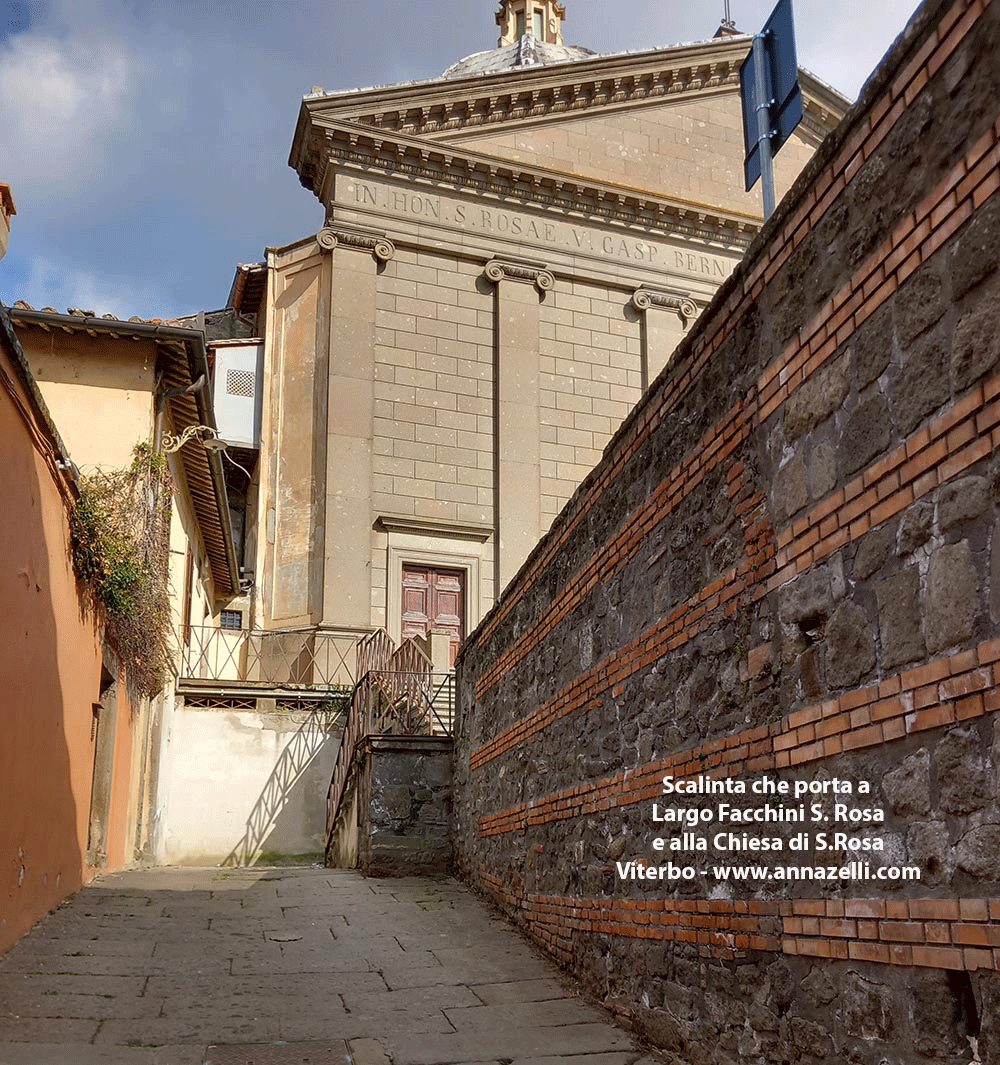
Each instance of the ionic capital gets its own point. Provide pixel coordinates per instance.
(498, 270)
(644, 298)
(330, 237)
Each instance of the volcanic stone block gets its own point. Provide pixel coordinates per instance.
(807, 597)
(907, 789)
(868, 1008)
(819, 988)
(952, 599)
(899, 617)
(873, 347)
(915, 527)
(963, 778)
(874, 551)
(962, 500)
(790, 494)
(866, 435)
(977, 252)
(809, 1036)
(923, 382)
(822, 470)
(929, 848)
(818, 398)
(976, 347)
(937, 1036)
(918, 305)
(850, 646)
(978, 852)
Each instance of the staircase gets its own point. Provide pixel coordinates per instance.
(397, 695)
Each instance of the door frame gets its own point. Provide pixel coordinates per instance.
(399, 554)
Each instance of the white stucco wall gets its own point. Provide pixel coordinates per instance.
(238, 784)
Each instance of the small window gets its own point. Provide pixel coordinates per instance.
(520, 24)
(231, 619)
(538, 25)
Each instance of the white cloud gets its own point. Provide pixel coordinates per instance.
(55, 284)
(60, 102)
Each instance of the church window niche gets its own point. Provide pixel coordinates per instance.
(519, 32)
(539, 30)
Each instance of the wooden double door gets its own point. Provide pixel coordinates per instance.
(434, 599)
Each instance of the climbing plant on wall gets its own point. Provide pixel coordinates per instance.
(120, 530)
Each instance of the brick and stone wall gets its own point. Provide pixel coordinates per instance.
(405, 806)
(787, 562)
(395, 816)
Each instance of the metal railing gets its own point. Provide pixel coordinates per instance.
(274, 658)
(398, 695)
(411, 704)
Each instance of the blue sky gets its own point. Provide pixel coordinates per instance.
(146, 143)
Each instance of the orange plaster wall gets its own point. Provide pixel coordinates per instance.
(120, 847)
(50, 668)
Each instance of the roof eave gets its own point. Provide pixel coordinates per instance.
(225, 569)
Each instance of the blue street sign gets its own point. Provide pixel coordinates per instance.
(780, 90)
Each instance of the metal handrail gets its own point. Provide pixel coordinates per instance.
(390, 701)
(300, 657)
(431, 702)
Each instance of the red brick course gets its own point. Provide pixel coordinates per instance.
(867, 717)
(924, 460)
(919, 932)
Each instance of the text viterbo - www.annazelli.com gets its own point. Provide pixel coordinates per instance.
(852, 871)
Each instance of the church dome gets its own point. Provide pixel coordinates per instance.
(530, 36)
(526, 52)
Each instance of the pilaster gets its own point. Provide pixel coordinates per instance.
(517, 462)
(350, 422)
(665, 319)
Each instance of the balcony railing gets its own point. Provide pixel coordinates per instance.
(280, 658)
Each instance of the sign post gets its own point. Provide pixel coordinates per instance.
(765, 160)
(771, 97)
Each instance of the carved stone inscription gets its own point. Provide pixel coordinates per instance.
(541, 232)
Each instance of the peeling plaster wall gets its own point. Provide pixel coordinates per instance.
(243, 783)
(51, 668)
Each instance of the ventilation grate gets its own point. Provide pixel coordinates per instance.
(278, 1054)
(240, 382)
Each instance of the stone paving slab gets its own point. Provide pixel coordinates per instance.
(157, 966)
(493, 1045)
(60, 1054)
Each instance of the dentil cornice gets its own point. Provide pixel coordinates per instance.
(444, 108)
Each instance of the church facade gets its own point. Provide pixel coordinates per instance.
(510, 254)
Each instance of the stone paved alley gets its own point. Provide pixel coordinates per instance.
(288, 966)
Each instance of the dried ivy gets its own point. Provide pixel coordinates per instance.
(120, 530)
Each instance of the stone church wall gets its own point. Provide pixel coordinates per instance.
(449, 414)
(786, 564)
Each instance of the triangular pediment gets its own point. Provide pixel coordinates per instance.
(454, 129)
